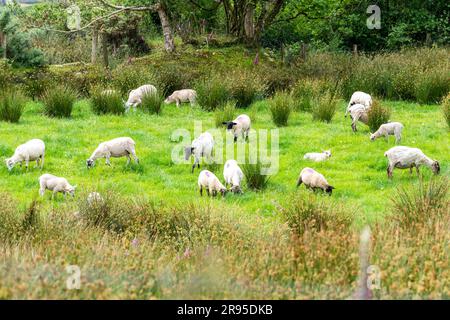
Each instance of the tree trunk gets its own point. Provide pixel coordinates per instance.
(249, 27)
(3, 43)
(169, 44)
(94, 44)
(105, 51)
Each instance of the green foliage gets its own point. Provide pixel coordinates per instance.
(12, 104)
(37, 81)
(59, 101)
(224, 113)
(304, 91)
(280, 107)
(107, 101)
(431, 87)
(5, 74)
(324, 108)
(244, 87)
(211, 93)
(152, 103)
(377, 115)
(254, 176)
(170, 78)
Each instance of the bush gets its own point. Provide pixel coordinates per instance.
(106, 101)
(129, 77)
(446, 109)
(5, 74)
(377, 115)
(36, 82)
(324, 108)
(12, 104)
(59, 101)
(172, 77)
(152, 103)
(254, 176)
(280, 108)
(432, 86)
(211, 94)
(244, 88)
(304, 91)
(278, 80)
(224, 113)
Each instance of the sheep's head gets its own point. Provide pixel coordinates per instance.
(372, 137)
(169, 100)
(90, 163)
(71, 190)
(435, 167)
(236, 190)
(188, 152)
(9, 164)
(329, 190)
(229, 124)
(223, 192)
(327, 153)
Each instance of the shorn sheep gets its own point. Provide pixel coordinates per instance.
(358, 112)
(318, 157)
(207, 180)
(359, 97)
(200, 147)
(405, 157)
(116, 148)
(391, 128)
(135, 97)
(181, 96)
(33, 150)
(314, 180)
(55, 184)
(239, 126)
(233, 176)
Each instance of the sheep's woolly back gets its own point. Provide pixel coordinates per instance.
(313, 179)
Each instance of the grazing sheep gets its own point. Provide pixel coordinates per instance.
(358, 113)
(239, 126)
(391, 128)
(359, 98)
(233, 176)
(180, 96)
(116, 148)
(200, 147)
(55, 184)
(33, 150)
(318, 157)
(208, 180)
(314, 180)
(135, 97)
(405, 157)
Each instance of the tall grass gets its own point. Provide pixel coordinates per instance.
(107, 101)
(446, 109)
(224, 113)
(254, 176)
(12, 104)
(304, 92)
(211, 94)
(324, 108)
(432, 86)
(280, 107)
(377, 115)
(59, 101)
(152, 103)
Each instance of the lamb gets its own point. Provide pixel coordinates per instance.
(359, 97)
(318, 157)
(391, 128)
(33, 150)
(239, 126)
(233, 176)
(116, 148)
(405, 157)
(55, 184)
(135, 97)
(358, 112)
(180, 96)
(314, 180)
(208, 180)
(200, 147)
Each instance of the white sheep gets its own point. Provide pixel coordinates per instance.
(200, 147)
(180, 96)
(33, 150)
(209, 181)
(233, 176)
(318, 157)
(116, 148)
(55, 184)
(405, 157)
(314, 180)
(239, 126)
(359, 97)
(135, 97)
(358, 112)
(391, 128)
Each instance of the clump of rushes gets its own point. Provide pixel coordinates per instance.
(59, 101)
(255, 177)
(152, 103)
(280, 107)
(12, 104)
(107, 101)
(377, 115)
(324, 108)
(211, 94)
(224, 113)
(446, 109)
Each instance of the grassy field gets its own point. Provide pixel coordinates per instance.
(236, 247)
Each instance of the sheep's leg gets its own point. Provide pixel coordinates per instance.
(389, 171)
(201, 191)
(235, 139)
(41, 190)
(208, 192)
(417, 170)
(178, 103)
(410, 170)
(42, 161)
(107, 162)
(299, 182)
(246, 135)
(54, 194)
(128, 159)
(27, 162)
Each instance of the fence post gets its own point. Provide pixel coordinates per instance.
(355, 49)
(363, 292)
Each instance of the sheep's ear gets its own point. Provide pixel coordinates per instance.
(225, 122)
(192, 149)
(234, 123)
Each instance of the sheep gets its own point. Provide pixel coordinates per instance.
(391, 128)
(55, 184)
(209, 181)
(239, 126)
(314, 180)
(358, 112)
(200, 147)
(116, 148)
(135, 97)
(405, 157)
(318, 157)
(359, 97)
(33, 150)
(180, 96)
(233, 176)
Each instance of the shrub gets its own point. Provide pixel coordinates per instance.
(254, 175)
(432, 86)
(5, 74)
(324, 108)
(278, 80)
(446, 109)
(304, 91)
(224, 113)
(12, 104)
(37, 81)
(106, 101)
(152, 103)
(377, 115)
(172, 77)
(59, 101)
(244, 88)
(280, 108)
(129, 77)
(211, 94)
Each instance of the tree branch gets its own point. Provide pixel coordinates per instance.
(154, 7)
